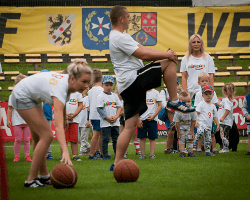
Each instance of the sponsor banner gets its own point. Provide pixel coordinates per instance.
(86, 29)
(8, 133)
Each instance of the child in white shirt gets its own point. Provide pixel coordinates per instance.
(84, 126)
(226, 115)
(185, 124)
(206, 112)
(109, 108)
(147, 123)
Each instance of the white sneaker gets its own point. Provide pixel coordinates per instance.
(223, 151)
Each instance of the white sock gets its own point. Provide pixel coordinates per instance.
(44, 176)
(176, 101)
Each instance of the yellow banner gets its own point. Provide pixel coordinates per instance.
(86, 29)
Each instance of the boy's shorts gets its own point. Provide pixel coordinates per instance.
(149, 130)
(71, 134)
(185, 137)
(214, 127)
(96, 125)
(134, 96)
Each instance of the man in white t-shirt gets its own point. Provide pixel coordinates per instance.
(134, 79)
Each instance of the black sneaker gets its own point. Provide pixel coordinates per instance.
(111, 169)
(182, 154)
(191, 154)
(45, 181)
(248, 153)
(35, 183)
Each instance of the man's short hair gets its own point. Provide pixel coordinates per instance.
(115, 13)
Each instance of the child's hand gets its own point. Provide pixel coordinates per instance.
(191, 133)
(140, 123)
(151, 118)
(221, 119)
(70, 116)
(9, 124)
(196, 124)
(179, 135)
(65, 125)
(87, 124)
(109, 119)
(218, 128)
(113, 119)
(248, 117)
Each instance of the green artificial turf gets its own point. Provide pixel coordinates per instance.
(225, 176)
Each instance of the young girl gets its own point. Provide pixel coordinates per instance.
(53, 89)
(20, 127)
(226, 115)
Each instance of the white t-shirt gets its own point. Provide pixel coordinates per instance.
(185, 120)
(92, 94)
(41, 87)
(193, 67)
(72, 105)
(109, 102)
(152, 98)
(206, 114)
(225, 104)
(16, 118)
(199, 98)
(84, 112)
(164, 95)
(121, 47)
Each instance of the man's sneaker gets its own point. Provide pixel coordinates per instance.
(167, 151)
(248, 153)
(180, 106)
(111, 167)
(28, 159)
(44, 180)
(35, 183)
(16, 159)
(152, 156)
(137, 152)
(216, 152)
(172, 126)
(49, 156)
(191, 154)
(76, 158)
(198, 152)
(94, 157)
(209, 154)
(182, 154)
(142, 156)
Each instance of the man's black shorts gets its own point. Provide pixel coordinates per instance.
(134, 96)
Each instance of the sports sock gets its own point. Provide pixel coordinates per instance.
(198, 149)
(214, 149)
(44, 176)
(137, 145)
(176, 101)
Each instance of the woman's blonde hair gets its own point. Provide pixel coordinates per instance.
(19, 78)
(77, 67)
(229, 90)
(189, 49)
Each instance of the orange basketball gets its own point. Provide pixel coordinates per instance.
(63, 176)
(126, 170)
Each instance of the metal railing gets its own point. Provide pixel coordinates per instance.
(156, 3)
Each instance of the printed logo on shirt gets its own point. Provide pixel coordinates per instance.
(73, 101)
(96, 26)
(150, 101)
(196, 67)
(185, 121)
(108, 103)
(84, 107)
(60, 29)
(143, 28)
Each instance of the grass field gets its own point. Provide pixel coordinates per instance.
(225, 176)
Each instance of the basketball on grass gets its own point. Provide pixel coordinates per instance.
(63, 176)
(126, 170)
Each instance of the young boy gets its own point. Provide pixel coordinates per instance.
(84, 126)
(206, 112)
(246, 113)
(73, 108)
(185, 124)
(94, 116)
(204, 79)
(147, 123)
(109, 108)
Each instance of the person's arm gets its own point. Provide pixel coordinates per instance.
(59, 128)
(9, 113)
(217, 122)
(211, 79)
(184, 81)
(148, 54)
(225, 115)
(191, 132)
(177, 126)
